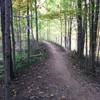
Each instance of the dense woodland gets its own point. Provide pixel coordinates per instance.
(74, 24)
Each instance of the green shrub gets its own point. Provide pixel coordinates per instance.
(21, 61)
(35, 57)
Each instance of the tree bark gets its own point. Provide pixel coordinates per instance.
(70, 33)
(7, 60)
(3, 25)
(93, 33)
(28, 33)
(61, 29)
(3, 39)
(80, 45)
(36, 19)
(13, 40)
(98, 50)
(85, 26)
(32, 23)
(20, 43)
(65, 29)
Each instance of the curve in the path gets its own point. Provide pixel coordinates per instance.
(60, 68)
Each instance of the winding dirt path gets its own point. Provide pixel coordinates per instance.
(60, 69)
(52, 80)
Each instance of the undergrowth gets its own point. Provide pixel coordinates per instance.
(36, 56)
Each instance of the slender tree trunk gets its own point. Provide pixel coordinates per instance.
(85, 26)
(98, 55)
(91, 34)
(13, 39)
(17, 32)
(10, 46)
(28, 32)
(80, 45)
(7, 55)
(33, 39)
(65, 29)
(70, 32)
(61, 29)
(36, 19)
(32, 22)
(3, 25)
(47, 30)
(20, 43)
(39, 29)
(96, 17)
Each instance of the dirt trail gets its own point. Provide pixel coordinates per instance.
(53, 80)
(60, 68)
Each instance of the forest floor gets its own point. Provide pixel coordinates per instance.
(55, 78)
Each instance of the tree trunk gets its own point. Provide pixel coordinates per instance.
(80, 43)
(93, 33)
(7, 60)
(70, 32)
(47, 30)
(28, 32)
(13, 40)
(96, 17)
(65, 29)
(3, 25)
(36, 19)
(98, 50)
(32, 23)
(3, 39)
(61, 29)
(20, 43)
(85, 26)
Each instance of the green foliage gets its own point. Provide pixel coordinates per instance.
(36, 56)
(21, 61)
(1, 72)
